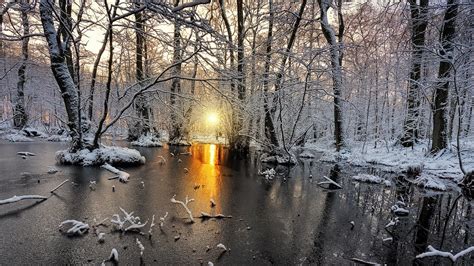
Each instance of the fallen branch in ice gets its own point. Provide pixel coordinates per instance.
(434, 252)
(392, 223)
(60, 185)
(205, 215)
(121, 175)
(25, 153)
(25, 197)
(141, 247)
(185, 206)
(371, 179)
(399, 209)
(77, 227)
(364, 262)
(330, 182)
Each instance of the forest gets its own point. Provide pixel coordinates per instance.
(380, 91)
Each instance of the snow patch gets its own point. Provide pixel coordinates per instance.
(147, 141)
(106, 154)
(371, 179)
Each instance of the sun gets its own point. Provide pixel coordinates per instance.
(212, 118)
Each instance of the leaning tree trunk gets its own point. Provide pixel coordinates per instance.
(418, 25)
(61, 73)
(336, 64)
(440, 124)
(19, 113)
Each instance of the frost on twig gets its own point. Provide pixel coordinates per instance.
(141, 247)
(152, 224)
(121, 175)
(25, 197)
(76, 227)
(434, 252)
(133, 222)
(185, 206)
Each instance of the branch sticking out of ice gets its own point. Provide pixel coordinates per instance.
(76, 227)
(133, 221)
(213, 203)
(221, 246)
(162, 220)
(60, 185)
(434, 252)
(18, 198)
(330, 182)
(141, 247)
(150, 232)
(113, 256)
(185, 206)
(121, 175)
(101, 238)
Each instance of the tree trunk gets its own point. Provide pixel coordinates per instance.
(142, 125)
(336, 64)
(240, 142)
(440, 125)
(418, 25)
(61, 73)
(270, 132)
(19, 114)
(176, 134)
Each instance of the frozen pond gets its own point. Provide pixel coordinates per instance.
(288, 220)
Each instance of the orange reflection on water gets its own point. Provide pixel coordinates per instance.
(208, 177)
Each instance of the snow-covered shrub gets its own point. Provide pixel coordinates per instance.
(107, 154)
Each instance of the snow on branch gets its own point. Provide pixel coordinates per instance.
(76, 228)
(190, 4)
(134, 223)
(185, 205)
(60, 185)
(121, 175)
(205, 215)
(141, 247)
(330, 182)
(19, 198)
(434, 252)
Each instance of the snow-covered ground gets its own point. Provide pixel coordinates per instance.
(397, 159)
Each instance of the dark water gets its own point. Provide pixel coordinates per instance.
(286, 221)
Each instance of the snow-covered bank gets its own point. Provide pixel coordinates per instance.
(147, 141)
(106, 154)
(393, 158)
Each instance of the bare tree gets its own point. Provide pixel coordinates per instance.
(336, 64)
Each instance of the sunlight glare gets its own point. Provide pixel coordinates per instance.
(212, 118)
